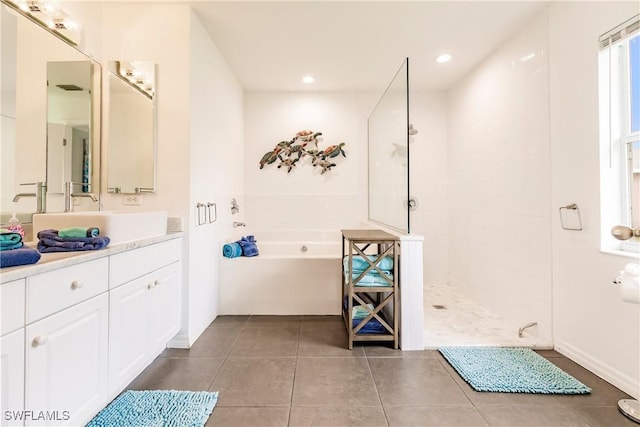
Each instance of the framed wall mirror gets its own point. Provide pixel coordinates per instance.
(131, 127)
(45, 81)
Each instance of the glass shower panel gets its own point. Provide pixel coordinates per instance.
(389, 154)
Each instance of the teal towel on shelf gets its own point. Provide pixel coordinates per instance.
(359, 263)
(16, 257)
(79, 232)
(371, 279)
(232, 250)
(9, 240)
(360, 312)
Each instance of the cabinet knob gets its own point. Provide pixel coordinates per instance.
(156, 282)
(151, 285)
(76, 284)
(40, 340)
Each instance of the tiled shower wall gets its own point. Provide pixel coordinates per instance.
(499, 181)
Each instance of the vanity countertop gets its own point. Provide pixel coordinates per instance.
(53, 261)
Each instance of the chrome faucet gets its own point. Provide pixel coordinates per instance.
(238, 224)
(40, 195)
(69, 195)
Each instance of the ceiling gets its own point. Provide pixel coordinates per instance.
(357, 45)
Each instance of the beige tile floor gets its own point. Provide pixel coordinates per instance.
(297, 371)
(465, 322)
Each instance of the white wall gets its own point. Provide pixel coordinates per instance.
(591, 324)
(216, 168)
(305, 198)
(428, 114)
(499, 181)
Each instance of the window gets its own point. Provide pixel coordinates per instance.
(619, 70)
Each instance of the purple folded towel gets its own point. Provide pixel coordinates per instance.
(248, 245)
(51, 242)
(21, 256)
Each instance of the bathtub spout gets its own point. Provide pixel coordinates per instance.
(238, 224)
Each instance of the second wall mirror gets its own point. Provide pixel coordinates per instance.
(131, 127)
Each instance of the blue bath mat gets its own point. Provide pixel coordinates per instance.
(157, 408)
(510, 370)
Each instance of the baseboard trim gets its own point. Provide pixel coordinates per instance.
(179, 341)
(606, 372)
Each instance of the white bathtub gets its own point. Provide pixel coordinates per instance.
(297, 272)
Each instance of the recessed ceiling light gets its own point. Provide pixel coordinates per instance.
(445, 57)
(308, 79)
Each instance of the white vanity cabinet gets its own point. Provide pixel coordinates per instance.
(66, 363)
(12, 378)
(75, 332)
(144, 312)
(66, 343)
(165, 313)
(12, 352)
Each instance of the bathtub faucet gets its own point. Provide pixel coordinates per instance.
(238, 224)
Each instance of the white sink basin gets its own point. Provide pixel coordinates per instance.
(118, 226)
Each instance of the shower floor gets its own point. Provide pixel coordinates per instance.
(453, 319)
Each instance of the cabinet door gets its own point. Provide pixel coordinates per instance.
(12, 378)
(165, 307)
(66, 363)
(129, 330)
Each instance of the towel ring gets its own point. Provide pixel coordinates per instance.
(571, 207)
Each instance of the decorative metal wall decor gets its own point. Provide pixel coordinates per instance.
(304, 143)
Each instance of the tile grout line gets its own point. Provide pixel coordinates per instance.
(224, 362)
(375, 386)
(295, 370)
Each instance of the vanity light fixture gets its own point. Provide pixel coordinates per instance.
(441, 59)
(136, 78)
(50, 17)
(308, 79)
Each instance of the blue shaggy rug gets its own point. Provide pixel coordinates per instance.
(510, 370)
(157, 408)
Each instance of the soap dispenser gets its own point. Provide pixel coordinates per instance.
(15, 226)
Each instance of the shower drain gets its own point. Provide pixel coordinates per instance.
(439, 307)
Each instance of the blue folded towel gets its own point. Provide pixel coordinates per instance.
(373, 326)
(248, 245)
(232, 250)
(9, 240)
(51, 242)
(359, 263)
(15, 257)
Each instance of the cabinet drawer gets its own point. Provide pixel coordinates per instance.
(126, 266)
(12, 305)
(53, 291)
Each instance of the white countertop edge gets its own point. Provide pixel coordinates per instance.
(53, 261)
